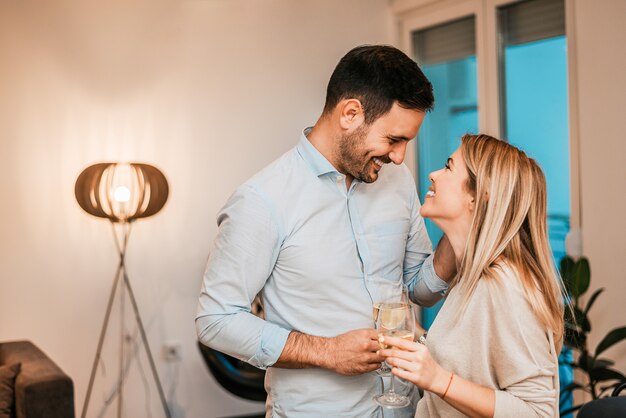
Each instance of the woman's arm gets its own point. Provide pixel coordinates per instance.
(412, 361)
(522, 364)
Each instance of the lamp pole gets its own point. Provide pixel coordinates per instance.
(124, 285)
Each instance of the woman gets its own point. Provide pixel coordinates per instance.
(492, 350)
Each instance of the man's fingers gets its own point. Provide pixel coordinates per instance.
(358, 368)
(374, 358)
(371, 333)
(372, 367)
(373, 346)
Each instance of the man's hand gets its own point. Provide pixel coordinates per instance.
(354, 352)
(349, 354)
(445, 260)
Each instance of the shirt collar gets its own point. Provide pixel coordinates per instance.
(315, 160)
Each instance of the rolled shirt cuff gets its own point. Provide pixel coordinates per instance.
(433, 282)
(273, 340)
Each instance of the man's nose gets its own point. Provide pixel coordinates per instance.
(397, 153)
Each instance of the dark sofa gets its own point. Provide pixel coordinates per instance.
(41, 387)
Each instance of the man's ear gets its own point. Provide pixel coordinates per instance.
(351, 114)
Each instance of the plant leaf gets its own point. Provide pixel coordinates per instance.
(572, 409)
(602, 362)
(567, 272)
(584, 362)
(601, 374)
(611, 386)
(581, 319)
(592, 299)
(582, 277)
(567, 392)
(613, 337)
(571, 387)
(575, 339)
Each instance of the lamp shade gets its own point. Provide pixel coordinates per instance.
(121, 192)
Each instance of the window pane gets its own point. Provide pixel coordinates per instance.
(447, 55)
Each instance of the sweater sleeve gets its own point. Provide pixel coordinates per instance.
(522, 354)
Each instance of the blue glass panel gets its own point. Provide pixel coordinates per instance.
(536, 115)
(455, 114)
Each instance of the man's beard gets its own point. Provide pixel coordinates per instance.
(352, 156)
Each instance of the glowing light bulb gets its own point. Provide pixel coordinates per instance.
(121, 194)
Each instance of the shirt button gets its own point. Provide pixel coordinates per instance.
(339, 178)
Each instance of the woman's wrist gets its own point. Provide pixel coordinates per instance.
(440, 382)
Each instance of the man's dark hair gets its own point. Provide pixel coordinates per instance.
(378, 76)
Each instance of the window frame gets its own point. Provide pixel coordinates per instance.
(413, 15)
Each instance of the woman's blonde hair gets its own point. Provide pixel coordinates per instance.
(510, 226)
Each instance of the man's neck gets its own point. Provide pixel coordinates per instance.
(324, 138)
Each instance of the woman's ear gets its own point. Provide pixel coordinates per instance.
(351, 114)
(472, 203)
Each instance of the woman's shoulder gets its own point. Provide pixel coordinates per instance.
(502, 276)
(501, 287)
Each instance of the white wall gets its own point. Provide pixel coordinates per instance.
(601, 83)
(208, 91)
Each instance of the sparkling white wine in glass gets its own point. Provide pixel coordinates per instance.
(405, 334)
(392, 314)
(376, 309)
(395, 319)
(393, 293)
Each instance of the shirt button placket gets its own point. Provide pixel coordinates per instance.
(341, 185)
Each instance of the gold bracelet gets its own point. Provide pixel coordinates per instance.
(448, 387)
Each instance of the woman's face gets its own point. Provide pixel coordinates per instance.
(448, 203)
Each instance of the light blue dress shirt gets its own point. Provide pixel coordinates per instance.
(316, 251)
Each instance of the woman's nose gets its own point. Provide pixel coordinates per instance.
(433, 176)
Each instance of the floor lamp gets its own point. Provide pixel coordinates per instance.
(122, 193)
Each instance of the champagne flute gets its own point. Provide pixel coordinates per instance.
(388, 292)
(395, 319)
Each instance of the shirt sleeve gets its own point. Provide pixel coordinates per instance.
(419, 271)
(240, 262)
(522, 354)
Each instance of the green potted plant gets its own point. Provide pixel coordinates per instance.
(598, 376)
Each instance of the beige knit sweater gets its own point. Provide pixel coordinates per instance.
(498, 343)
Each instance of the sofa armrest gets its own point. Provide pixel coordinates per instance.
(42, 389)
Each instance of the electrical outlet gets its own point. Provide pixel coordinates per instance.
(171, 351)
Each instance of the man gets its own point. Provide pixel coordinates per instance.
(314, 232)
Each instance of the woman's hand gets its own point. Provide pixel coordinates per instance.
(412, 361)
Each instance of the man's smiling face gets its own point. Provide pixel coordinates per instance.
(362, 153)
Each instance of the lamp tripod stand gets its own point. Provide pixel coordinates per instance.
(122, 193)
(121, 280)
